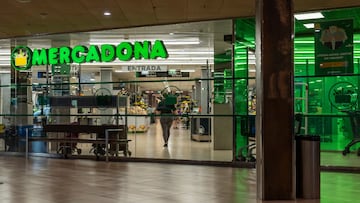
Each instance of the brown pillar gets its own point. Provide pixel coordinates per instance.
(274, 89)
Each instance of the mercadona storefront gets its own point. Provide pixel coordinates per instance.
(73, 94)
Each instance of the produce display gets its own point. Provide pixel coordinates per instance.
(136, 110)
(137, 123)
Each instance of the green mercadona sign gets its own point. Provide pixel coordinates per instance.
(22, 57)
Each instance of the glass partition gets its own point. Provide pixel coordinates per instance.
(97, 93)
(329, 102)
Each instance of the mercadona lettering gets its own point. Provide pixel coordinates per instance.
(124, 51)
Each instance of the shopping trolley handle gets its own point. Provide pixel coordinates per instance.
(351, 112)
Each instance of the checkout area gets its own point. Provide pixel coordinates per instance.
(108, 139)
(62, 131)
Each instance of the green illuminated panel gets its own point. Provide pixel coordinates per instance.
(245, 37)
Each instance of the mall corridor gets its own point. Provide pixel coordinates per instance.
(44, 180)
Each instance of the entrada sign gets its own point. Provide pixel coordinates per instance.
(22, 57)
(139, 68)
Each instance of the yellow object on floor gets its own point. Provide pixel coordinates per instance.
(2, 128)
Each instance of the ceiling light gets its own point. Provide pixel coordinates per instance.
(107, 13)
(307, 16)
(304, 41)
(121, 71)
(309, 25)
(189, 58)
(180, 42)
(175, 52)
(188, 71)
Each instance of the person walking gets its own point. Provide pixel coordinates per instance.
(166, 112)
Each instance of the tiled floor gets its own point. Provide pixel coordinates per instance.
(44, 180)
(337, 159)
(150, 145)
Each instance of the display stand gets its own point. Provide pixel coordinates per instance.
(137, 120)
(200, 129)
(138, 124)
(87, 121)
(301, 102)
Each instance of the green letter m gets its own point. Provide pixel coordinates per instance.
(39, 57)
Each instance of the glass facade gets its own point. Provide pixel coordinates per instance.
(96, 93)
(208, 73)
(326, 99)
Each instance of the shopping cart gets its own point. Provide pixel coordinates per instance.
(118, 141)
(355, 124)
(68, 148)
(246, 153)
(11, 139)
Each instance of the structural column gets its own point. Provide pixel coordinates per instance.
(274, 83)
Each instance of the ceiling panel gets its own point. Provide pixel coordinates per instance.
(204, 9)
(165, 10)
(65, 16)
(239, 8)
(140, 13)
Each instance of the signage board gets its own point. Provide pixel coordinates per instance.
(334, 47)
(23, 58)
(162, 74)
(140, 68)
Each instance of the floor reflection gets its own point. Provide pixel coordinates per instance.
(40, 180)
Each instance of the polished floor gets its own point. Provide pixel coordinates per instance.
(44, 180)
(150, 145)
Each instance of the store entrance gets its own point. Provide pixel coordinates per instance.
(191, 129)
(89, 108)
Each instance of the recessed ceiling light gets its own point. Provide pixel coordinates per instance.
(307, 16)
(309, 25)
(107, 13)
(171, 33)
